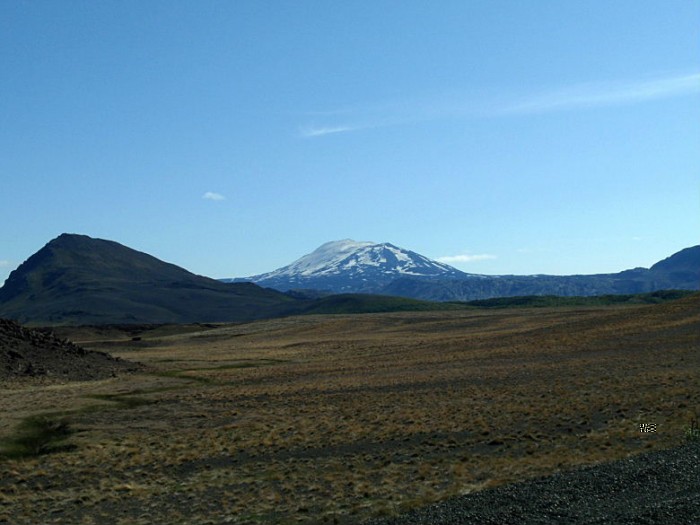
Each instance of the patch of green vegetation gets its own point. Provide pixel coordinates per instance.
(185, 374)
(236, 365)
(37, 435)
(549, 301)
(44, 433)
(251, 363)
(692, 432)
(366, 303)
(123, 400)
(190, 373)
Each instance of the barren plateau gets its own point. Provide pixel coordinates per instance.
(345, 418)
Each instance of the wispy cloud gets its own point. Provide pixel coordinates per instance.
(4, 263)
(381, 115)
(319, 131)
(210, 195)
(465, 258)
(598, 94)
(581, 96)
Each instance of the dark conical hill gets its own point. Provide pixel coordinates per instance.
(680, 270)
(76, 279)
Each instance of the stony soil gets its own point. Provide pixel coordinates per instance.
(658, 487)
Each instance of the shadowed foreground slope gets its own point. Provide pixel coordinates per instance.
(26, 353)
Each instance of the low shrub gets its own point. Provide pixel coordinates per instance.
(692, 432)
(36, 436)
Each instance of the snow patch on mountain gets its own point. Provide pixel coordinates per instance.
(352, 266)
(325, 259)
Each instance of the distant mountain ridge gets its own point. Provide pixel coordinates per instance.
(75, 279)
(362, 267)
(349, 266)
(680, 271)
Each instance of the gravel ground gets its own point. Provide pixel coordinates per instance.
(654, 488)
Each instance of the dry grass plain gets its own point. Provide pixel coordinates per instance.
(336, 419)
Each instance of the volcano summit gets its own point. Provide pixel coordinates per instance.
(352, 266)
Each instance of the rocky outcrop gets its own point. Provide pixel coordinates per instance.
(33, 353)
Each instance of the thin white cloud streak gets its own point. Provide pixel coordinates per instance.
(4, 263)
(363, 123)
(465, 258)
(319, 131)
(212, 196)
(592, 95)
(577, 97)
(389, 114)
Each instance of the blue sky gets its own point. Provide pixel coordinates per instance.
(232, 137)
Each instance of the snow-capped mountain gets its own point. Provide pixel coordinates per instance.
(349, 266)
(364, 267)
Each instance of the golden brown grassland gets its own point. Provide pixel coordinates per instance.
(335, 419)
